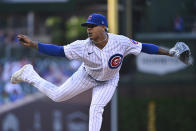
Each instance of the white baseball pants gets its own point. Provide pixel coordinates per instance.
(79, 82)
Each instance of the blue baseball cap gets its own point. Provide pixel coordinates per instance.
(96, 19)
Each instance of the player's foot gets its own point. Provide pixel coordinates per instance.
(19, 75)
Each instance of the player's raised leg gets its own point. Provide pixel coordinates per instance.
(77, 83)
(102, 94)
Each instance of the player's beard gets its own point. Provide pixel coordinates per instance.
(90, 35)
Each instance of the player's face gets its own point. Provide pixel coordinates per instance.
(95, 32)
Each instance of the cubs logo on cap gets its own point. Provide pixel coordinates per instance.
(115, 61)
(90, 17)
(96, 19)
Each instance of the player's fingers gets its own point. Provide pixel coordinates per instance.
(20, 36)
(25, 44)
(23, 38)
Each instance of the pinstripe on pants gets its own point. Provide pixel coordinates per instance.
(79, 82)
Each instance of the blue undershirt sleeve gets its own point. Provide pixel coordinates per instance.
(150, 48)
(50, 49)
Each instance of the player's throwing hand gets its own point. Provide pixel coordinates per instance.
(24, 40)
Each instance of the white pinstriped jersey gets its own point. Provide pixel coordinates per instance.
(102, 64)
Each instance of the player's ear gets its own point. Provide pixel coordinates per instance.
(104, 28)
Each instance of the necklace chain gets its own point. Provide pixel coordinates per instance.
(102, 40)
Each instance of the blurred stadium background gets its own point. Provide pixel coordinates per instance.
(154, 93)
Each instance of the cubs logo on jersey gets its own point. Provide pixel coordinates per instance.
(115, 61)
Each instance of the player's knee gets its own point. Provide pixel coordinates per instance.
(60, 98)
(56, 99)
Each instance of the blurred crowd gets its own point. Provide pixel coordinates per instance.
(12, 58)
(7, 36)
(54, 71)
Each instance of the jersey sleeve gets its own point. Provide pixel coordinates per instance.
(74, 50)
(132, 47)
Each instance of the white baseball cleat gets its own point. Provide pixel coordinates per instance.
(18, 76)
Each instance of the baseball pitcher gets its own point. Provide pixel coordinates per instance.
(101, 54)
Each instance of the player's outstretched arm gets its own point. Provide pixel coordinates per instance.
(48, 49)
(24, 40)
(162, 51)
(154, 49)
(180, 50)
